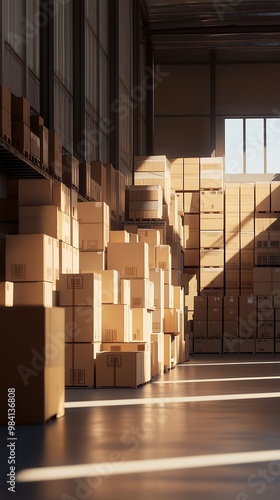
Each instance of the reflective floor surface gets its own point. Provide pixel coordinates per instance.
(209, 429)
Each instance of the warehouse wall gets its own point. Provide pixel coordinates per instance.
(182, 104)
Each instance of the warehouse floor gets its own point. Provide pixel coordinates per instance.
(209, 429)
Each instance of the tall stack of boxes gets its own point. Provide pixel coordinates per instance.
(233, 239)
(211, 226)
(94, 222)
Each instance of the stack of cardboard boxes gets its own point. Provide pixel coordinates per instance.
(94, 222)
(5, 114)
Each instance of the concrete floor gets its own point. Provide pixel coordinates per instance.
(189, 435)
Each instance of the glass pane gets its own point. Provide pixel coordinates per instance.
(273, 145)
(254, 146)
(234, 146)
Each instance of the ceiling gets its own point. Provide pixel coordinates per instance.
(236, 30)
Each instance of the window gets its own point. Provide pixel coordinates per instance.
(252, 145)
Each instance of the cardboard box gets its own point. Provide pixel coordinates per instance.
(150, 236)
(133, 346)
(125, 294)
(34, 146)
(85, 179)
(140, 294)
(65, 258)
(247, 222)
(119, 237)
(154, 179)
(247, 197)
(200, 302)
(232, 191)
(163, 257)
(157, 320)
(275, 274)
(55, 154)
(191, 202)
(191, 258)
(261, 257)
(274, 196)
(214, 222)
(277, 326)
(5, 98)
(43, 134)
(92, 261)
(130, 259)
(21, 137)
(211, 277)
(265, 345)
(157, 277)
(45, 220)
(273, 257)
(265, 314)
(158, 163)
(211, 239)
(262, 196)
(110, 286)
(116, 323)
(20, 109)
(74, 233)
(92, 212)
(177, 174)
(209, 346)
(33, 294)
(140, 325)
(157, 343)
(211, 201)
(83, 324)
(191, 174)
(122, 369)
(215, 328)
(200, 314)
(168, 296)
(93, 237)
(200, 328)
(262, 287)
(246, 278)
(247, 258)
(231, 313)
(232, 223)
(99, 174)
(79, 364)
(267, 222)
(80, 290)
(7, 293)
(247, 241)
(191, 238)
(40, 348)
(176, 277)
(29, 257)
(171, 323)
(34, 192)
(62, 197)
(75, 261)
(212, 258)
(247, 345)
(230, 345)
(232, 240)
(265, 329)
(230, 328)
(232, 258)
(70, 171)
(215, 313)
(5, 124)
(211, 173)
(232, 278)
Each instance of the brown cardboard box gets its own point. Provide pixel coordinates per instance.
(110, 286)
(33, 192)
(191, 202)
(171, 322)
(215, 313)
(274, 196)
(265, 345)
(158, 163)
(214, 222)
(247, 241)
(5, 124)
(246, 278)
(43, 134)
(20, 109)
(34, 145)
(75, 233)
(145, 210)
(215, 301)
(247, 316)
(191, 174)
(262, 275)
(33, 294)
(36, 121)
(247, 222)
(211, 201)
(125, 294)
(191, 258)
(211, 239)
(232, 222)
(247, 258)
(211, 258)
(130, 259)
(232, 258)
(157, 320)
(211, 173)
(29, 257)
(139, 290)
(215, 328)
(118, 237)
(200, 314)
(55, 154)
(84, 179)
(21, 137)
(45, 220)
(92, 261)
(6, 293)
(163, 257)
(262, 287)
(275, 274)
(93, 237)
(262, 196)
(133, 346)
(122, 369)
(277, 327)
(75, 261)
(65, 258)
(200, 328)
(191, 238)
(232, 240)
(80, 290)
(265, 302)
(274, 239)
(232, 278)
(150, 236)
(261, 257)
(41, 349)
(83, 324)
(157, 353)
(176, 277)
(211, 277)
(247, 197)
(230, 301)
(99, 174)
(116, 323)
(177, 173)
(62, 197)
(210, 346)
(232, 191)
(79, 364)
(70, 171)
(230, 328)
(273, 257)
(157, 277)
(265, 314)
(266, 222)
(230, 345)
(92, 212)
(140, 325)
(154, 179)
(230, 313)
(265, 329)
(247, 345)
(144, 193)
(5, 98)
(168, 296)
(200, 302)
